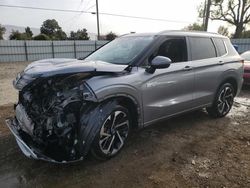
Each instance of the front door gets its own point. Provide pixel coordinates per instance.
(168, 91)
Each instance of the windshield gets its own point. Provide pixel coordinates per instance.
(122, 50)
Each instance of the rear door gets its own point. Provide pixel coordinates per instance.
(208, 66)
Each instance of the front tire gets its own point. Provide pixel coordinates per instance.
(113, 133)
(223, 101)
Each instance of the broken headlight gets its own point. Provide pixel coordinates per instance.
(23, 80)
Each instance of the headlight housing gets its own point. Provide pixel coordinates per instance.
(23, 80)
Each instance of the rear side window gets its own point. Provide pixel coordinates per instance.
(220, 46)
(202, 48)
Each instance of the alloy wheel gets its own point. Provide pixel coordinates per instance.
(225, 100)
(114, 132)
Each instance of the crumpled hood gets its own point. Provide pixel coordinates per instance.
(50, 67)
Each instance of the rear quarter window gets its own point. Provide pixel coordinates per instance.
(202, 48)
(220, 46)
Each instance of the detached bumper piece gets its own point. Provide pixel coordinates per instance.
(25, 144)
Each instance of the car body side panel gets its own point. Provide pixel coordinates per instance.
(207, 73)
(211, 72)
(166, 92)
(124, 85)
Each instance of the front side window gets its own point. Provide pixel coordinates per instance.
(202, 48)
(122, 50)
(175, 49)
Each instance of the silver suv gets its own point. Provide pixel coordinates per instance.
(68, 108)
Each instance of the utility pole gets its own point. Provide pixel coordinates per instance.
(97, 17)
(207, 14)
(204, 14)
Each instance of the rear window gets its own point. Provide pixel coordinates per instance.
(202, 48)
(220, 46)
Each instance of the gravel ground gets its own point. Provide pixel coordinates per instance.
(192, 150)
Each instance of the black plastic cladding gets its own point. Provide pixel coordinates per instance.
(91, 122)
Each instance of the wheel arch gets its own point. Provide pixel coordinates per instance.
(131, 104)
(232, 80)
(231, 76)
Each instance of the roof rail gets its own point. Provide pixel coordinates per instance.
(184, 31)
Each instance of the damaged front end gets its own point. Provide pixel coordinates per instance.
(47, 121)
(53, 98)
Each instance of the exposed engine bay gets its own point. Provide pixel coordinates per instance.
(49, 113)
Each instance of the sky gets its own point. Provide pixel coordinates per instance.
(184, 12)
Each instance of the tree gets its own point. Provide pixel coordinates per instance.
(234, 12)
(223, 31)
(59, 35)
(15, 35)
(50, 27)
(194, 27)
(41, 37)
(2, 31)
(28, 32)
(110, 36)
(79, 35)
(246, 34)
(72, 35)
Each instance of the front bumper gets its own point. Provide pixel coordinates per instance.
(27, 149)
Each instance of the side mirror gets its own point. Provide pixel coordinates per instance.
(159, 62)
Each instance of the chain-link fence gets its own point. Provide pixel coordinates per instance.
(15, 51)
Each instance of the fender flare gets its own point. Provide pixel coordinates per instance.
(90, 122)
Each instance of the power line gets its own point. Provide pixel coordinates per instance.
(143, 18)
(40, 8)
(88, 12)
(90, 7)
(87, 3)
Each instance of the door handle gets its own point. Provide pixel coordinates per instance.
(221, 62)
(187, 68)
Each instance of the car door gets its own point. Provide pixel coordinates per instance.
(168, 91)
(207, 67)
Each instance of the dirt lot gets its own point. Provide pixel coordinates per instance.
(8, 72)
(188, 151)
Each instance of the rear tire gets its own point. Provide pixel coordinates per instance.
(113, 133)
(223, 101)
